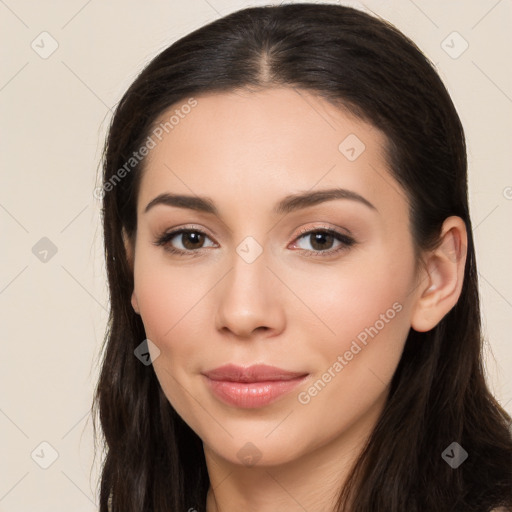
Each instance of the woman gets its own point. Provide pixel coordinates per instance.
(288, 242)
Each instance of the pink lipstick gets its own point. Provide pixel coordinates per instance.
(251, 387)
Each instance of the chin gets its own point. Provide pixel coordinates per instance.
(251, 449)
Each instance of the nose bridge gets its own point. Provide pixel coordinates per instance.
(248, 279)
(247, 299)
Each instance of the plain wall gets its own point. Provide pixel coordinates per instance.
(55, 111)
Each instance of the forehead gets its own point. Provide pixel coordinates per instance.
(266, 143)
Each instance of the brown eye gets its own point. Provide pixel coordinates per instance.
(191, 241)
(322, 241)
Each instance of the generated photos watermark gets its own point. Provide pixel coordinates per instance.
(150, 143)
(361, 340)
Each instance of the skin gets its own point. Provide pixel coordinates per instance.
(288, 308)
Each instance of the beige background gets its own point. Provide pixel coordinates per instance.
(55, 110)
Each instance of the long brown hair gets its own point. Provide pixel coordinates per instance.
(154, 461)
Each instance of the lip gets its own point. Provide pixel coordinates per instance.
(253, 386)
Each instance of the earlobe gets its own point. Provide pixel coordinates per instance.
(441, 286)
(135, 304)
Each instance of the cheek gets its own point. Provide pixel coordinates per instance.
(174, 319)
(167, 297)
(368, 308)
(367, 299)
(170, 309)
(355, 365)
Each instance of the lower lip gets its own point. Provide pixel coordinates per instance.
(251, 395)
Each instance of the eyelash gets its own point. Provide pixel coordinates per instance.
(346, 241)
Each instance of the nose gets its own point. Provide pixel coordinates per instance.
(249, 300)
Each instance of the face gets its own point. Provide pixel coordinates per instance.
(322, 287)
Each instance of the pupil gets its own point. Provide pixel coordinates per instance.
(189, 237)
(318, 237)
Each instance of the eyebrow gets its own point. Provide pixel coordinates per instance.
(288, 204)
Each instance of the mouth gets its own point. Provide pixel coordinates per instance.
(251, 387)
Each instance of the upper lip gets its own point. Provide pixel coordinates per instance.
(255, 373)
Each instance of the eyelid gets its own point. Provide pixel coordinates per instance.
(346, 240)
(167, 235)
(326, 227)
(184, 228)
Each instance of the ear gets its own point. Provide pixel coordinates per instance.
(130, 258)
(443, 278)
